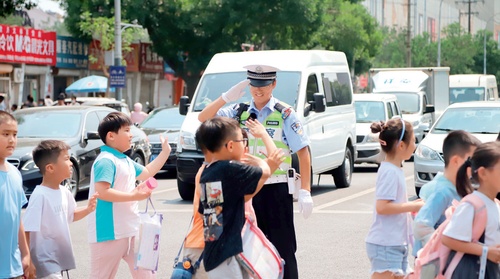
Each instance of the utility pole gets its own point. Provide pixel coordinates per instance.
(469, 12)
(408, 36)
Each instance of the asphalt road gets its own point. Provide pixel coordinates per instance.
(330, 242)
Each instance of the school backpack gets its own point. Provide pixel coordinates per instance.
(431, 259)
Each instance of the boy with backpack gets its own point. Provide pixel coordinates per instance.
(441, 191)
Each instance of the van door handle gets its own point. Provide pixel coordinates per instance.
(323, 129)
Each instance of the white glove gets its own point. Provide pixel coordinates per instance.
(305, 203)
(235, 92)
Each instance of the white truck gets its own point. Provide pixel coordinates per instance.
(422, 93)
(473, 87)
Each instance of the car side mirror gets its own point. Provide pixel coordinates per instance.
(93, 136)
(184, 105)
(429, 109)
(319, 102)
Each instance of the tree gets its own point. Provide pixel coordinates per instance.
(9, 6)
(101, 30)
(349, 28)
(12, 20)
(458, 50)
(187, 33)
(393, 49)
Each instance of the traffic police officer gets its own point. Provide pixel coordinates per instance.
(273, 204)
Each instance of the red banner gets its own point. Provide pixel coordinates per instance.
(150, 60)
(27, 45)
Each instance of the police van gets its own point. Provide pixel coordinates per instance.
(315, 83)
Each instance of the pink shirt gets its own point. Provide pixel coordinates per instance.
(138, 116)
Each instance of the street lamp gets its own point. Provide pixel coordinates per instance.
(439, 36)
(484, 45)
(118, 40)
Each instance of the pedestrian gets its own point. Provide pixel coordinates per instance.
(30, 102)
(14, 251)
(41, 103)
(273, 204)
(389, 235)
(138, 115)
(73, 101)
(3, 106)
(50, 210)
(222, 203)
(439, 193)
(48, 101)
(61, 99)
(112, 227)
(484, 165)
(13, 107)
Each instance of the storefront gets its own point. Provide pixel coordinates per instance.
(154, 89)
(26, 57)
(72, 63)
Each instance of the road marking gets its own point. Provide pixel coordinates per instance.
(357, 195)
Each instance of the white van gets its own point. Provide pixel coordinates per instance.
(473, 87)
(371, 108)
(316, 83)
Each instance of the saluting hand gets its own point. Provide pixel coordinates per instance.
(235, 92)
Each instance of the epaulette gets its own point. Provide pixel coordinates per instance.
(285, 111)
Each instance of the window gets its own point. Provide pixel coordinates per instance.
(312, 87)
(338, 90)
(91, 122)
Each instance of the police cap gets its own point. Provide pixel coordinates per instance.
(261, 75)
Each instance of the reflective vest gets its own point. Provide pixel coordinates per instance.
(274, 127)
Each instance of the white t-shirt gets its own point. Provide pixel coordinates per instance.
(47, 217)
(460, 226)
(392, 229)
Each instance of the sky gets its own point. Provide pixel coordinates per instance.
(50, 5)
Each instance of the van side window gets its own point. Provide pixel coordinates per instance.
(337, 88)
(312, 87)
(390, 110)
(395, 108)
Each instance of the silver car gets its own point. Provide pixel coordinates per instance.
(482, 119)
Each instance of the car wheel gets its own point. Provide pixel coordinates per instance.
(343, 174)
(72, 183)
(186, 189)
(138, 159)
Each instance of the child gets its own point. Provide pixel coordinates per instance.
(14, 251)
(485, 169)
(51, 208)
(223, 192)
(389, 235)
(441, 191)
(115, 223)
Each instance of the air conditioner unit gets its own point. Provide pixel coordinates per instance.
(18, 75)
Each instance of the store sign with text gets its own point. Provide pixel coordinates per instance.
(132, 57)
(150, 60)
(72, 53)
(27, 45)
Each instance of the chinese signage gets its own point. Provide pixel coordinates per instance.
(71, 53)
(150, 61)
(132, 58)
(117, 76)
(27, 45)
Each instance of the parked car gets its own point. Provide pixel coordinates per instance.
(372, 108)
(167, 122)
(482, 119)
(100, 101)
(77, 126)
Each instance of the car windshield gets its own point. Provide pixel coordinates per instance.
(408, 102)
(473, 120)
(164, 119)
(369, 111)
(466, 94)
(48, 124)
(213, 85)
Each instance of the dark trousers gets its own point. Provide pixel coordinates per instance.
(274, 211)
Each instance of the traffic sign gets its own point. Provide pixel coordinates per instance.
(117, 76)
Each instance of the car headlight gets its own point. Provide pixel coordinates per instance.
(372, 137)
(426, 153)
(187, 141)
(29, 165)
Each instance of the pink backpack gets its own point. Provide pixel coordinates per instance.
(432, 257)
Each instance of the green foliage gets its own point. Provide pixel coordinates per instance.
(12, 20)
(349, 28)
(457, 50)
(7, 7)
